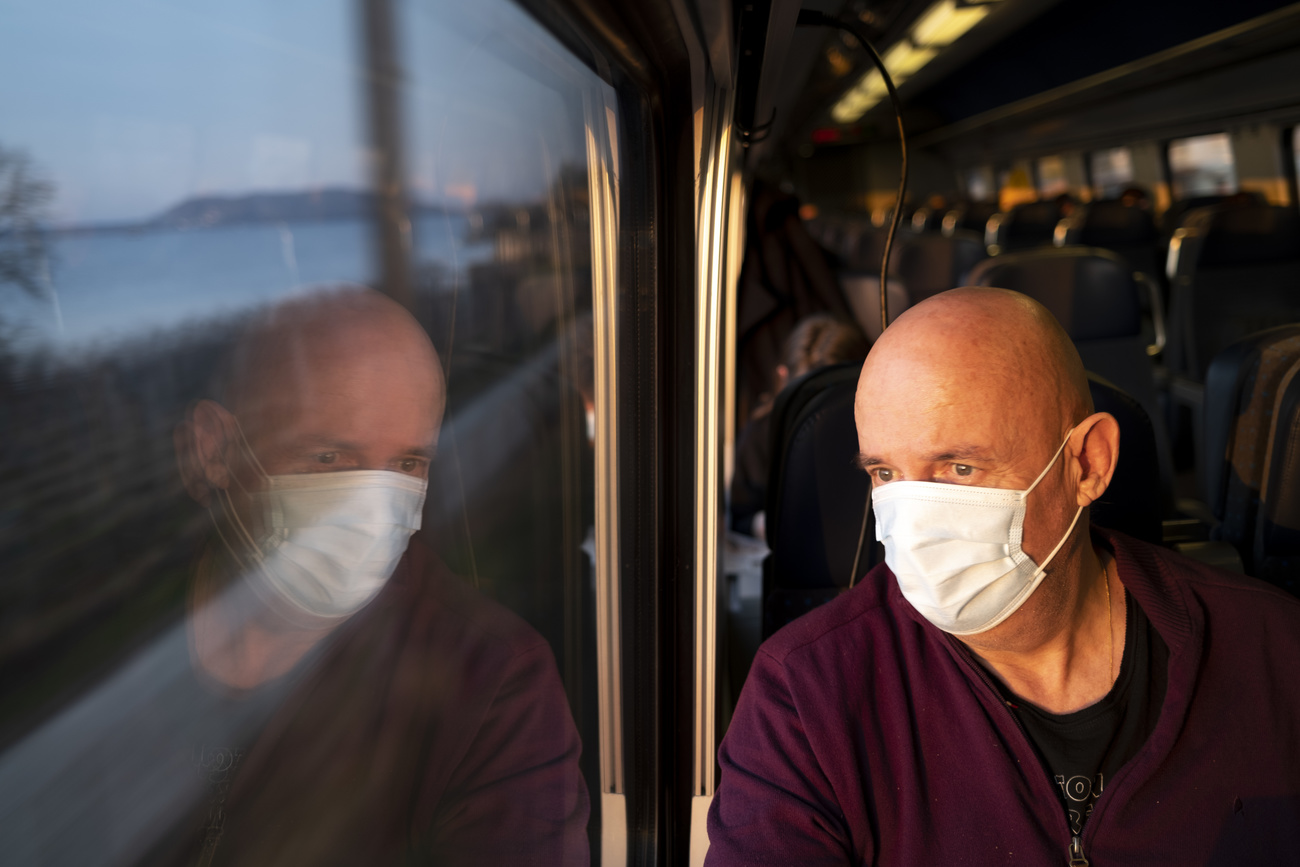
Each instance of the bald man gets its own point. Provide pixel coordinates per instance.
(1012, 685)
(333, 695)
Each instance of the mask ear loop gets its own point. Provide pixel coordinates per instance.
(1050, 463)
(1079, 511)
(228, 506)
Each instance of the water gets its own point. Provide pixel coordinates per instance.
(111, 286)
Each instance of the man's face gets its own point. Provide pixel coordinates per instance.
(368, 403)
(374, 413)
(950, 422)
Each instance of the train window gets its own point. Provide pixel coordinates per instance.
(1202, 166)
(1052, 180)
(1112, 171)
(303, 386)
(980, 184)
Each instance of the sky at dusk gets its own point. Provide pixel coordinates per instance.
(131, 106)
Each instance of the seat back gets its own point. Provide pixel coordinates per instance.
(1137, 496)
(929, 264)
(816, 498)
(1093, 294)
(1241, 386)
(1277, 538)
(1032, 224)
(972, 217)
(1235, 270)
(1126, 230)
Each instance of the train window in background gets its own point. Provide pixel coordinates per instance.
(1202, 166)
(981, 185)
(1112, 171)
(1052, 180)
(236, 623)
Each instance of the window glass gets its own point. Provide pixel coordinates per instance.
(1112, 171)
(297, 389)
(980, 185)
(1051, 177)
(1202, 166)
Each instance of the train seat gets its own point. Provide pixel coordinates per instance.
(1126, 230)
(972, 217)
(1277, 538)
(816, 499)
(1032, 224)
(931, 263)
(1234, 270)
(1241, 386)
(1096, 298)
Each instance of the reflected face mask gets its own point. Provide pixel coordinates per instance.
(329, 541)
(955, 549)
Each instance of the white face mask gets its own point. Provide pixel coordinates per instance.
(955, 549)
(329, 541)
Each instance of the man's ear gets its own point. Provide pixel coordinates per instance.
(1098, 435)
(204, 449)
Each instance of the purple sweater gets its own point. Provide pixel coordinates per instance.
(866, 735)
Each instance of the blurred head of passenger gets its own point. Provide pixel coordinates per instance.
(975, 420)
(1135, 197)
(313, 462)
(817, 341)
(1065, 204)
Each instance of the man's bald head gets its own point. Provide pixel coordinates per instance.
(979, 351)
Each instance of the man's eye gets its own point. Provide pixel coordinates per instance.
(327, 457)
(883, 475)
(962, 469)
(408, 465)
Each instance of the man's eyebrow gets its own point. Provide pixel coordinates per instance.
(866, 462)
(962, 453)
(326, 442)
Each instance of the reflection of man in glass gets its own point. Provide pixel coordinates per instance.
(385, 711)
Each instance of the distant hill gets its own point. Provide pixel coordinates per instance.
(327, 204)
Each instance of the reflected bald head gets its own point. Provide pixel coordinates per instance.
(343, 371)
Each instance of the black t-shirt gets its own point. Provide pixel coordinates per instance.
(1084, 749)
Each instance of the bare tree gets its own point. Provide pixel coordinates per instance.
(24, 197)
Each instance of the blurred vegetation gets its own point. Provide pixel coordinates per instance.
(24, 208)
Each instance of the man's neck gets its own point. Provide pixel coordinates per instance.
(1062, 653)
(234, 639)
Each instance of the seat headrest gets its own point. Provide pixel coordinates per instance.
(1277, 543)
(1111, 222)
(1090, 291)
(1132, 501)
(1246, 235)
(1240, 385)
(815, 497)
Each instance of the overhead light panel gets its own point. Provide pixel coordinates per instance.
(945, 22)
(903, 59)
(940, 25)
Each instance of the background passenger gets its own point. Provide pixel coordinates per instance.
(817, 341)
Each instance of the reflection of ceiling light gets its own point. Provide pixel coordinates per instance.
(945, 23)
(902, 60)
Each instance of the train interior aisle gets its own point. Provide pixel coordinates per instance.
(414, 414)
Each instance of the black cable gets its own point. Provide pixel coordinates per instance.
(813, 18)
